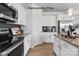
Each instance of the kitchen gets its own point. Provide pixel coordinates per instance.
(24, 26)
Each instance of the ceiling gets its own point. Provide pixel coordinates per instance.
(58, 7)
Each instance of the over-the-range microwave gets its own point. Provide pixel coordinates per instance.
(8, 12)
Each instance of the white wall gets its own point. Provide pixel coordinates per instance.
(36, 17)
(29, 20)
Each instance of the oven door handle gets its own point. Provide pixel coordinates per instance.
(6, 52)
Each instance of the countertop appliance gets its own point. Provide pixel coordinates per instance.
(8, 13)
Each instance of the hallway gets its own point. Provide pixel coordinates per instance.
(45, 49)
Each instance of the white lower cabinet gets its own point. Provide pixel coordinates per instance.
(47, 37)
(63, 48)
(56, 46)
(68, 49)
(27, 43)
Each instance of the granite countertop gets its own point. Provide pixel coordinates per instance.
(74, 42)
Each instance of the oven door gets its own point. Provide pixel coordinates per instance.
(14, 50)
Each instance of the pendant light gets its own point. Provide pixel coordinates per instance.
(70, 10)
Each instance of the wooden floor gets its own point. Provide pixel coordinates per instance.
(45, 49)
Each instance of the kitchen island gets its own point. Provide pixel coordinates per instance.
(65, 46)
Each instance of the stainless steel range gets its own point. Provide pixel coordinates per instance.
(9, 43)
(5, 40)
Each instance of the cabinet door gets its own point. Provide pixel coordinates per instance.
(47, 37)
(26, 44)
(52, 38)
(56, 46)
(68, 49)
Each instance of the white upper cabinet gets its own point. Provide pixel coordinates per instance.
(49, 20)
